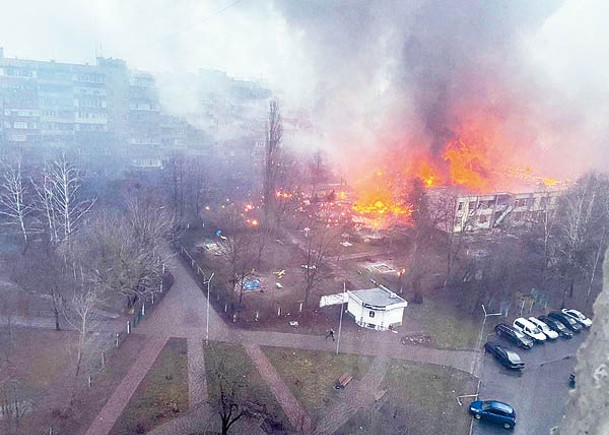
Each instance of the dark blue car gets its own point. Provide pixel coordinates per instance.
(494, 411)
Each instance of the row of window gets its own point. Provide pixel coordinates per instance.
(521, 202)
(520, 216)
(64, 114)
(20, 125)
(24, 113)
(91, 102)
(82, 114)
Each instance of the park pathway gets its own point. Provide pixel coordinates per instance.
(182, 314)
(360, 395)
(291, 407)
(114, 406)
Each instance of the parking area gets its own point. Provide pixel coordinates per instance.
(539, 393)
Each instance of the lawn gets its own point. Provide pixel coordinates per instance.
(311, 375)
(162, 395)
(448, 327)
(243, 381)
(420, 399)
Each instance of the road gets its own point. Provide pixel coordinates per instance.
(539, 394)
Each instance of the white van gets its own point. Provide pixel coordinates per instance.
(530, 329)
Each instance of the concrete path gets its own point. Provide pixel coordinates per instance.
(114, 406)
(291, 407)
(182, 314)
(360, 395)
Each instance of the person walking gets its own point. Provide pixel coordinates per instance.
(330, 334)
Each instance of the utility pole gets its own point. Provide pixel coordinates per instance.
(340, 322)
(479, 347)
(207, 313)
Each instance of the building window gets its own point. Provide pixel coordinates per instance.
(460, 206)
(370, 313)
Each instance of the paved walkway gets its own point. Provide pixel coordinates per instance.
(291, 407)
(114, 406)
(182, 314)
(360, 395)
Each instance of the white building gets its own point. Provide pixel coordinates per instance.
(376, 308)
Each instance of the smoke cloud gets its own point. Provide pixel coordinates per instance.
(399, 78)
(384, 79)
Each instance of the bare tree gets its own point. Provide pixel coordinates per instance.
(15, 200)
(41, 271)
(178, 174)
(272, 161)
(421, 235)
(15, 402)
(44, 204)
(315, 256)
(82, 304)
(237, 251)
(234, 402)
(318, 171)
(151, 223)
(60, 198)
(124, 254)
(583, 210)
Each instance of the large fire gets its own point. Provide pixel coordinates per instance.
(468, 163)
(377, 203)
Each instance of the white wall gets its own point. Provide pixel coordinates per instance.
(385, 318)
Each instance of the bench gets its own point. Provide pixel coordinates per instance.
(343, 381)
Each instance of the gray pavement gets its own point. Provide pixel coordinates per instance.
(539, 394)
(182, 314)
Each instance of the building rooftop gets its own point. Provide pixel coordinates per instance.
(378, 297)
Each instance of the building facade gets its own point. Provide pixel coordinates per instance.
(376, 308)
(96, 109)
(496, 210)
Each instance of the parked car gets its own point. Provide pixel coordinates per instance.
(552, 335)
(508, 358)
(556, 326)
(578, 317)
(514, 335)
(566, 320)
(530, 329)
(494, 411)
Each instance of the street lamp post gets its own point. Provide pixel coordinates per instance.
(479, 347)
(207, 313)
(340, 322)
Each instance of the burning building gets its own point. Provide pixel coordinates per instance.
(500, 210)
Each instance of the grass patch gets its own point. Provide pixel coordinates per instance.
(420, 399)
(90, 401)
(243, 381)
(162, 395)
(310, 375)
(448, 327)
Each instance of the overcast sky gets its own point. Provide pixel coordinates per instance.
(291, 44)
(250, 38)
(246, 38)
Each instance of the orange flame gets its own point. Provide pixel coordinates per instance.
(474, 161)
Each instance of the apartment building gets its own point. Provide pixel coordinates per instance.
(503, 209)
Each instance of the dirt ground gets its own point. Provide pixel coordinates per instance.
(43, 363)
